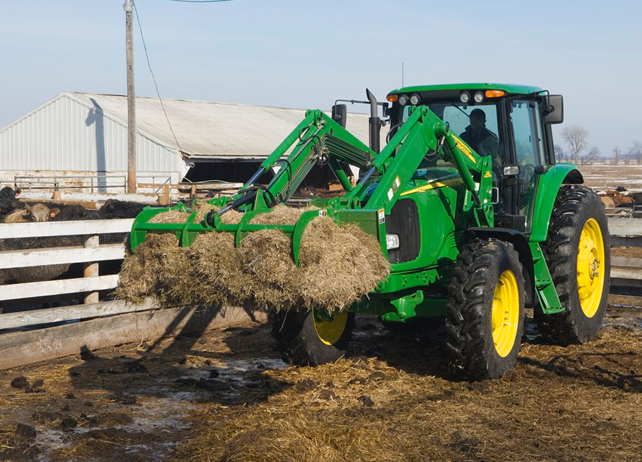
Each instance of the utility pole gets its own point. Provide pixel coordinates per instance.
(131, 99)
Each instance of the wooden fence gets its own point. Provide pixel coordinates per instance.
(108, 323)
(626, 232)
(105, 323)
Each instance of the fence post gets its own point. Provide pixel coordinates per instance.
(91, 269)
(56, 191)
(164, 198)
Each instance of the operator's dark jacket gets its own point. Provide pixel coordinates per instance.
(484, 142)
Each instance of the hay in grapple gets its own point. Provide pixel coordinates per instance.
(271, 276)
(215, 270)
(339, 264)
(171, 216)
(152, 269)
(281, 215)
(203, 208)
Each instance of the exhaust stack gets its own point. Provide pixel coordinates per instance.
(374, 123)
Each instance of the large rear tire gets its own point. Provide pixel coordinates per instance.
(307, 339)
(579, 258)
(485, 311)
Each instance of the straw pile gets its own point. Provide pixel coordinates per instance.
(338, 266)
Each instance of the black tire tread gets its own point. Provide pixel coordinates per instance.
(298, 343)
(465, 309)
(561, 257)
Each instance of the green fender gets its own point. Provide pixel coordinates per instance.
(549, 185)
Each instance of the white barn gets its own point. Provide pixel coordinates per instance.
(86, 134)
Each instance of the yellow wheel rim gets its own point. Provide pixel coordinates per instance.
(505, 318)
(590, 268)
(330, 331)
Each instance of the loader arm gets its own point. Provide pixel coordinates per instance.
(317, 139)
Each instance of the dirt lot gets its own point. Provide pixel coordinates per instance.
(228, 397)
(611, 176)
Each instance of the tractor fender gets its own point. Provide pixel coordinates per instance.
(520, 243)
(547, 190)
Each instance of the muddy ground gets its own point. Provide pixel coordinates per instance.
(228, 397)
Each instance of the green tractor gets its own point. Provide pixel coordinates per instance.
(474, 214)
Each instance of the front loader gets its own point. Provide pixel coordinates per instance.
(470, 207)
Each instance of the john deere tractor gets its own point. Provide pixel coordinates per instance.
(474, 214)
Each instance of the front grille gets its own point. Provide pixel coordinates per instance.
(404, 221)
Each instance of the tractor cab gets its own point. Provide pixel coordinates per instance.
(509, 123)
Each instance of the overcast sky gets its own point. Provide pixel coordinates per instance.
(305, 54)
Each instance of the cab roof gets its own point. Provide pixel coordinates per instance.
(507, 87)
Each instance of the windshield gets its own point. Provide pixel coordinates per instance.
(458, 114)
(476, 124)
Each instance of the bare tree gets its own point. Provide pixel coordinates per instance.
(560, 155)
(635, 152)
(617, 152)
(591, 156)
(576, 137)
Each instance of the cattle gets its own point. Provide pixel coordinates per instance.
(38, 212)
(614, 198)
(8, 200)
(35, 213)
(119, 209)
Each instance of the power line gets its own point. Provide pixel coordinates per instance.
(142, 37)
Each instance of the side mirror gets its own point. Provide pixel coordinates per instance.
(554, 110)
(340, 114)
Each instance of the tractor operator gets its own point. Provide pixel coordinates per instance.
(482, 140)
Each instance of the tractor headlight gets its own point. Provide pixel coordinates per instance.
(392, 241)
(464, 97)
(414, 99)
(479, 97)
(403, 100)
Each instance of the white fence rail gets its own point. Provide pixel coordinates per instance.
(89, 254)
(28, 336)
(626, 232)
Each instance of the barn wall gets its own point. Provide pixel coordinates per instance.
(65, 135)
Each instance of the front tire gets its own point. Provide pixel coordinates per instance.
(485, 311)
(578, 255)
(306, 338)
